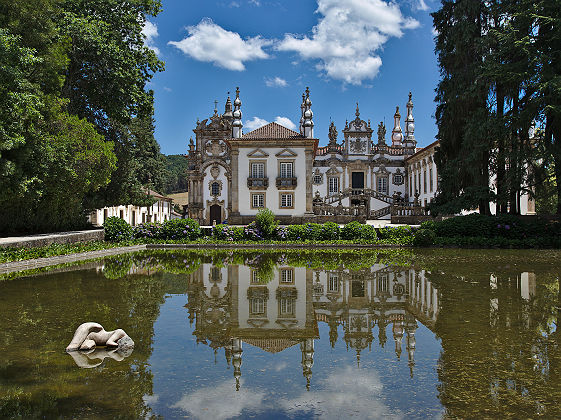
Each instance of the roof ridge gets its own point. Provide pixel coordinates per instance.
(272, 130)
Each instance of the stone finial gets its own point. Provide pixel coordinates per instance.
(357, 112)
(237, 116)
(397, 136)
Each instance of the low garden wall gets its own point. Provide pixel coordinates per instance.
(52, 238)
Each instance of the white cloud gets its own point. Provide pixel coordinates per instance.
(348, 36)
(167, 89)
(254, 124)
(150, 32)
(285, 122)
(255, 2)
(434, 31)
(209, 42)
(347, 391)
(421, 5)
(220, 402)
(275, 82)
(257, 122)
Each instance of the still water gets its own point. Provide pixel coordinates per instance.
(394, 334)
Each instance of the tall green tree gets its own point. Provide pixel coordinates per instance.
(461, 114)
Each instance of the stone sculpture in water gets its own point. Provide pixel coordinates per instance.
(91, 334)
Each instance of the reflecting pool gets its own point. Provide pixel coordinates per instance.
(288, 334)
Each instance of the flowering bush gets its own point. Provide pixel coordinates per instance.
(252, 232)
(228, 233)
(180, 229)
(117, 229)
(147, 230)
(281, 233)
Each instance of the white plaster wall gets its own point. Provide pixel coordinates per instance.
(272, 312)
(272, 196)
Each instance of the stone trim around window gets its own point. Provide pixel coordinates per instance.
(251, 201)
(291, 194)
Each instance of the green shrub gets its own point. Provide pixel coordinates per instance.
(429, 224)
(424, 237)
(295, 233)
(266, 222)
(180, 229)
(117, 229)
(368, 233)
(396, 234)
(351, 231)
(311, 231)
(329, 231)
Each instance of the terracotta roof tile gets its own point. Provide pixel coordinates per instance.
(273, 131)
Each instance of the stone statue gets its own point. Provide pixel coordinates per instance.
(381, 133)
(91, 334)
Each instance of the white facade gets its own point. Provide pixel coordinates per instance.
(158, 212)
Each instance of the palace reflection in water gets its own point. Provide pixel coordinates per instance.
(232, 306)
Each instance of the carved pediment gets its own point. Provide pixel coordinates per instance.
(333, 171)
(257, 153)
(286, 153)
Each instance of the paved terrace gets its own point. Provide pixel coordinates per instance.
(44, 239)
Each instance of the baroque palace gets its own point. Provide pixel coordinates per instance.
(234, 174)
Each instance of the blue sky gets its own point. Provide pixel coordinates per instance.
(347, 51)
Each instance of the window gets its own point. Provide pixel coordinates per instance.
(287, 275)
(333, 284)
(424, 181)
(254, 277)
(257, 200)
(398, 179)
(430, 179)
(286, 170)
(333, 185)
(287, 200)
(318, 179)
(215, 188)
(287, 306)
(416, 187)
(257, 306)
(383, 184)
(121, 214)
(410, 185)
(258, 170)
(383, 283)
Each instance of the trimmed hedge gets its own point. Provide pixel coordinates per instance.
(500, 226)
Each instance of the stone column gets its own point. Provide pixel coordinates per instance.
(307, 180)
(234, 193)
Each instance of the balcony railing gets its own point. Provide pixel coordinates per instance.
(257, 183)
(286, 183)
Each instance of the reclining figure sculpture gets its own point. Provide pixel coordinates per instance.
(91, 334)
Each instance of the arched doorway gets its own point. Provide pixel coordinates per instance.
(215, 214)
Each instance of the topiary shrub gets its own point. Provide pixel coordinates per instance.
(351, 231)
(266, 222)
(116, 229)
(329, 231)
(424, 237)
